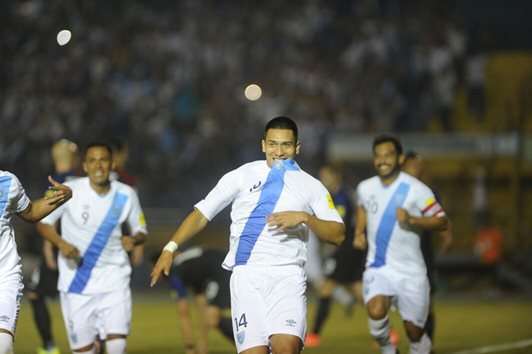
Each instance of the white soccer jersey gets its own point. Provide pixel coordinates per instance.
(389, 243)
(92, 223)
(13, 200)
(257, 191)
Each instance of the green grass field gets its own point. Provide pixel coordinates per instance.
(462, 325)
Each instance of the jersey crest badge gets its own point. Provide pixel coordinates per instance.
(241, 337)
(330, 200)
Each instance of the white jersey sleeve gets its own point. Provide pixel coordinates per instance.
(220, 196)
(20, 199)
(323, 206)
(135, 219)
(426, 202)
(13, 200)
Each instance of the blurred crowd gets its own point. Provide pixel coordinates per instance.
(168, 77)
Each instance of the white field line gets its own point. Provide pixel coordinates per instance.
(497, 348)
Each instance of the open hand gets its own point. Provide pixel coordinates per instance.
(285, 219)
(162, 266)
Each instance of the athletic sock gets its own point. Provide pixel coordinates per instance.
(6, 343)
(380, 330)
(422, 347)
(226, 327)
(116, 346)
(324, 307)
(41, 317)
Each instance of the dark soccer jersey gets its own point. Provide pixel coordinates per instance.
(195, 267)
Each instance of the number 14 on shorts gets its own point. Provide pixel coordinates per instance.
(242, 322)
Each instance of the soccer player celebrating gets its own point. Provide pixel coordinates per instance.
(13, 200)
(346, 264)
(94, 269)
(393, 209)
(274, 204)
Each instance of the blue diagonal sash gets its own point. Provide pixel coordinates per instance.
(388, 220)
(97, 244)
(266, 204)
(5, 183)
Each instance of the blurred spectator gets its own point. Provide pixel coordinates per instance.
(487, 244)
(170, 76)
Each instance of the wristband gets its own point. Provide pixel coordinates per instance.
(171, 247)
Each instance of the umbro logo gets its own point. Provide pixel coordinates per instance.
(4, 318)
(255, 186)
(291, 323)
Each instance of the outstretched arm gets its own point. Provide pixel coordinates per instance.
(38, 209)
(191, 226)
(328, 231)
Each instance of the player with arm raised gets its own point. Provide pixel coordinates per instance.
(274, 204)
(13, 200)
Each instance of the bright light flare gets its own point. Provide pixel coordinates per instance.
(253, 92)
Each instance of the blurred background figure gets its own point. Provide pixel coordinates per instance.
(121, 158)
(345, 266)
(487, 246)
(413, 165)
(122, 174)
(197, 277)
(43, 280)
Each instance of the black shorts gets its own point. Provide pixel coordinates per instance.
(346, 265)
(43, 280)
(217, 290)
(428, 256)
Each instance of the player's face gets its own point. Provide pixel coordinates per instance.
(279, 144)
(386, 160)
(413, 166)
(98, 164)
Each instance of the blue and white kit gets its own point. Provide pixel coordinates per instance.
(13, 200)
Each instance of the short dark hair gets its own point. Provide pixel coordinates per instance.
(116, 144)
(99, 144)
(411, 155)
(281, 123)
(381, 139)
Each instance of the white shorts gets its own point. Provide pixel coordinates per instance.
(100, 314)
(10, 295)
(267, 300)
(411, 293)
